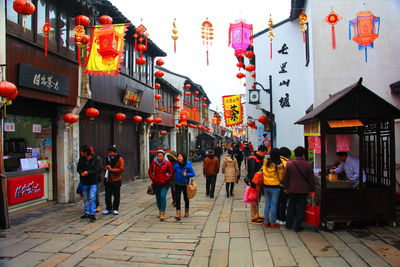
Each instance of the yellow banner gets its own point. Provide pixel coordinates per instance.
(233, 110)
(105, 49)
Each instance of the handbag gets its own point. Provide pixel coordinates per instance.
(258, 178)
(250, 195)
(150, 189)
(191, 189)
(312, 213)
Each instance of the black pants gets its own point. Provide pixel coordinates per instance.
(210, 185)
(179, 190)
(295, 214)
(112, 189)
(173, 193)
(229, 188)
(282, 204)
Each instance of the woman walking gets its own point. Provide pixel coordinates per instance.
(183, 172)
(161, 172)
(273, 172)
(230, 169)
(171, 156)
(88, 169)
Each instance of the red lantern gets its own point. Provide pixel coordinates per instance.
(159, 62)
(188, 93)
(140, 61)
(85, 39)
(139, 119)
(92, 113)
(196, 93)
(177, 107)
(177, 99)
(204, 99)
(252, 124)
(157, 96)
(157, 120)
(7, 89)
(250, 54)
(253, 86)
(141, 47)
(120, 117)
(157, 86)
(107, 42)
(240, 65)
(240, 75)
(159, 74)
(183, 117)
(105, 20)
(178, 125)
(187, 86)
(70, 118)
(250, 67)
(244, 84)
(163, 133)
(14, 96)
(263, 119)
(149, 120)
(240, 36)
(204, 105)
(24, 7)
(253, 75)
(82, 20)
(196, 99)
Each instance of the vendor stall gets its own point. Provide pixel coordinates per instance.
(360, 125)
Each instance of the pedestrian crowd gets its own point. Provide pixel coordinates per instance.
(285, 181)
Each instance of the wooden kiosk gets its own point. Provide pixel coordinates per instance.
(369, 120)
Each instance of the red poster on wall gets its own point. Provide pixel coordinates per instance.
(25, 188)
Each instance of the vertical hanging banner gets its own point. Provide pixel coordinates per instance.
(233, 110)
(106, 49)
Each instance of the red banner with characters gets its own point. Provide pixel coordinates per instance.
(25, 188)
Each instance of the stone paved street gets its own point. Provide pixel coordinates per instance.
(217, 233)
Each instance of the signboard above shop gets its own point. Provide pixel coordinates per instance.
(42, 80)
(132, 97)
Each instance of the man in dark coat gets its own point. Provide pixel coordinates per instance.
(298, 183)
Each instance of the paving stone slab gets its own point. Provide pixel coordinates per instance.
(54, 260)
(332, 262)
(352, 258)
(28, 259)
(219, 258)
(257, 240)
(20, 247)
(239, 230)
(275, 240)
(53, 245)
(367, 254)
(387, 252)
(318, 245)
(335, 241)
(282, 256)
(303, 256)
(240, 252)
(292, 239)
(262, 259)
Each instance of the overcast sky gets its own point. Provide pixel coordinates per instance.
(219, 78)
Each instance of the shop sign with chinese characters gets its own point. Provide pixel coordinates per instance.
(9, 127)
(233, 110)
(25, 188)
(42, 80)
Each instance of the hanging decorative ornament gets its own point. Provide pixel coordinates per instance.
(204, 105)
(270, 35)
(240, 75)
(81, 39)
(157, 86)
(177, 99)
(178, 125)
(196, 92)
(82, 20)
(204, 99)
(332, 19)
(196, 99)
(120, 117)
(176, 107)
(365, 30)
(163, 133)
(70, 118)
(240, 65)
(141, 42)
(207, 34)
(140, 61)
(157, 96)
(174, 35)
(250, 67)
(183, 117)
(8, 91)
(149, 120)
(188, 93)
(24, 8)
(46, 31)
(303, 24)
(160, 62)
(139, 119)
(105, 19)
(157, 120)
(250, 54)
(253, 75)
(187, 86)
(240, 37)
(159, 74)
(92, 113)
(263, 119)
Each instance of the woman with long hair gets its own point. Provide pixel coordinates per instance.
(183, 172)
(273, 172)
(230, 169)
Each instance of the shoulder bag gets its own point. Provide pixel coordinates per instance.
(301, 174)
(191, 189)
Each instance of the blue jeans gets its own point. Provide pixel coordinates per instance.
(161, 196)
(271, 204)
(89, 197)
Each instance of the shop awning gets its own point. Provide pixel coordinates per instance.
(395, 87)
(355, 102)
(205, 135)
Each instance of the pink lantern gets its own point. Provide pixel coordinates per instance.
(240, 36)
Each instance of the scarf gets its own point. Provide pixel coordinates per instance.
(159, 163)
(112, 161)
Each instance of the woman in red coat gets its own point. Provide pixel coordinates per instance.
(160, 173)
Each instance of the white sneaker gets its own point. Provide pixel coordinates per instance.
(278, 222)
(115, 212)
(105, 212)
(282, 223)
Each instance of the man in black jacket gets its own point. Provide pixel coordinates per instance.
(254, 164)
(88, 168)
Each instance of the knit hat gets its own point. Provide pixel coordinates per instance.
(161, 151)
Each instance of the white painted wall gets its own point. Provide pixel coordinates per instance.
(300, 89)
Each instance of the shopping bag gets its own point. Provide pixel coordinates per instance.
(312, 213)
(150, 189)
(250, 195)
(258, 178)
(191, 189)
